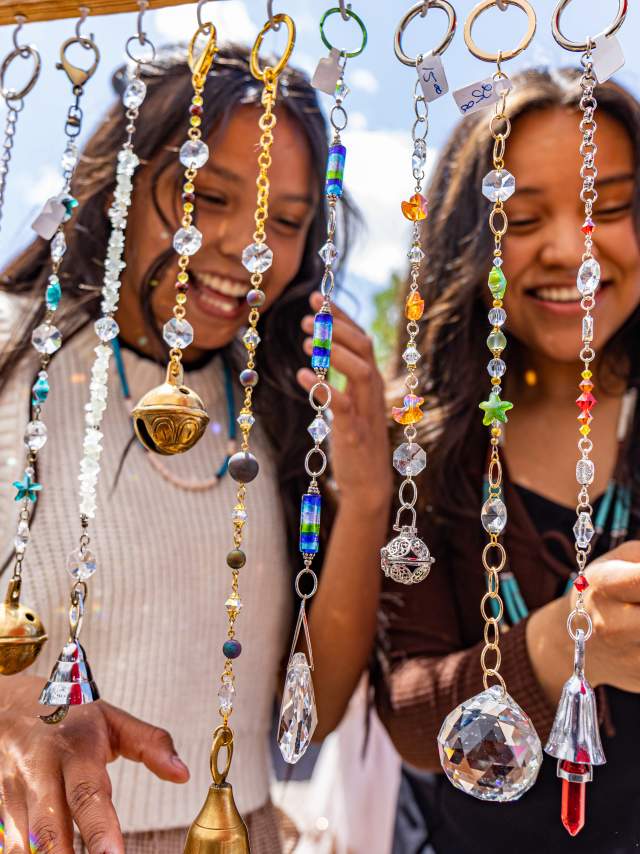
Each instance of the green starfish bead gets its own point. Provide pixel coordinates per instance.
(495, 409)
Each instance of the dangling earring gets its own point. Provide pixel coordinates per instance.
(575, 739)
(71, 682)
(171, 418)
(488, 745)
(219, 826)
(406, 558)
(22, 634)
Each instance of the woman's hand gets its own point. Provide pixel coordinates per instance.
(52, 776)
(360, 454)
(613, 602)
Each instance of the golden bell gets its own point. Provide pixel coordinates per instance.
(219, 828)
(22, 635)
(170, 418)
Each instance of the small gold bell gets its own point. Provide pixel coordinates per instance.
(219, 828)
(170, 418)
(22, 635)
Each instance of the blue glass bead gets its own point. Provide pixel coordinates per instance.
(335, 170)
(310, 523)
(322, 335)
(53, 293)
(231, 648)
(40, 389)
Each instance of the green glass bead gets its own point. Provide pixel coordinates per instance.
(497, 283)
(496, 341)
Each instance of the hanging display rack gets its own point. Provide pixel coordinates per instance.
(49, 10)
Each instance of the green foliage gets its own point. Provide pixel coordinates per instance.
(386, 322)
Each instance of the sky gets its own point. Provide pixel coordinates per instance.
(380, 105)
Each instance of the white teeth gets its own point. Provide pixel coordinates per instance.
(227, 287)
(212, 301)
(569, 294)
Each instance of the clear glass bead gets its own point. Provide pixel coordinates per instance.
(298, 716)
(583, 530)
(585, 472)
(194, 154)
(257, 257)
(81, 564)
(494, 516)
(341, 90)
(419, 156)
(35, 435)
(106, 329)
(319, 429)
(233, 605)
(46, 338)
(70, 157)
(128, 160)
(497, 317)
(415, 255)
(328, 252)
(587, 328)
(588, 277)
(489, 748)
(134, 94)
(187, 241)
(226, 695)
(58, 247)
(22, 536)
(497, 261)
(411, 356)
(245, 419)
(496, 368)
(409, 459)
(178, 333)
(496, 341)
(251, 339)
(238, 514)
(498, 185)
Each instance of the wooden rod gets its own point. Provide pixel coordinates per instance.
(49, 10)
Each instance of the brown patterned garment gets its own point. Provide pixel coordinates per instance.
(263, 833)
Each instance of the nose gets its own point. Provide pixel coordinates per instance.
(230, 235)
(563, 242)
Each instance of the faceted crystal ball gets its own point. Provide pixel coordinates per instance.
(489, 748)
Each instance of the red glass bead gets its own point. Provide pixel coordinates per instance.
(189, 197)
(581, 583)
(588, 225)
(195, 110)
(182, 287)
(586, 401)
(574, 798)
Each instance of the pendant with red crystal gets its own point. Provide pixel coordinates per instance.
(588, 226)
(575, 777)
(581, 583)
(586, 401)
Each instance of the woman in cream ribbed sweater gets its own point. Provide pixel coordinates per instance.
(157, 616)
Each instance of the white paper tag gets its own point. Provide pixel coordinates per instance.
(482, 94)
(328, 72)
(432, 78)
(607, 57)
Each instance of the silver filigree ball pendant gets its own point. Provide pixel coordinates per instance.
(406, 558)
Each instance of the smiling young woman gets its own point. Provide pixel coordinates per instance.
(157, 605)
(432, 635)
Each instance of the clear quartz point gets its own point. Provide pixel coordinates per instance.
(489, 748)
(298, 716)
(257, 257)
(409, 459)
(498, 185)
(588, 277)
(494, 516)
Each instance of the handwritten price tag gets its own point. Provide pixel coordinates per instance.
(607, 57)
(433, 80)
(327, 73)
(482, 94)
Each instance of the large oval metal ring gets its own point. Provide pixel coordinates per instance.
(24, 52)
(222, 738)
(503, 55)
(350, 14)
(278, 68)
(413, 12)
(564, 42)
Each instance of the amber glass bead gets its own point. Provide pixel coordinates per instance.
(414, 306)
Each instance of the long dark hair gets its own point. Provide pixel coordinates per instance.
(454, 328)
(161, 118)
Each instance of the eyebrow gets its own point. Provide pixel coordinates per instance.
(234, 178)
(600, 182)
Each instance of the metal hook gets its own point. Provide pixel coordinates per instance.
(201, 23)
(503, 5)
(84, 14)
(143, 6)
(20, 21)
(425, 9)
(275, 25)
(343, 10)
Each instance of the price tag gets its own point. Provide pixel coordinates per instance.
(607, 57)
(482, 94)
(328, 72)
(433, 80)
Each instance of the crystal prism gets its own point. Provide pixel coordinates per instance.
(341, 90)
(415, 255)
(409, 459)
(194, 154)
(81, 564)
(587, 328)
(46, 338)
(498, 185)
(411, 356)
(494, 516)
(585, 472)
(226, 694)
(489, 747)
(319, 429)
(257, 257)
(588, 277)
(298, 716)
(134, 94)
(35, 435)
(178, 333)
(328, 252)
(106, 329)
(187, 241)
(58, 247)
(583, 530)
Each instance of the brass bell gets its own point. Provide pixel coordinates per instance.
(219, 828)
(170, 418)
(22, 635)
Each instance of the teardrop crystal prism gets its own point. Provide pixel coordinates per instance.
(298, 716)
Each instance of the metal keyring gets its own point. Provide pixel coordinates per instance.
(147, 43)
(279, 67)
(564, 42)
(350, 14)
(503, 55)
(24, 52)
(413, 12)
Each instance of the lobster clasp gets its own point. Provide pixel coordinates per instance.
(200, 65)
(78, 76)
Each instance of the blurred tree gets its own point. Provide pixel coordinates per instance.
(385, 325)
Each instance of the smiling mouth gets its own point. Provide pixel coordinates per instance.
(565, 294)
(219, 295)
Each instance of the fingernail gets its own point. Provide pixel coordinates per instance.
(175, 760)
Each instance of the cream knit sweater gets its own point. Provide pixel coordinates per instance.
(155, 619)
